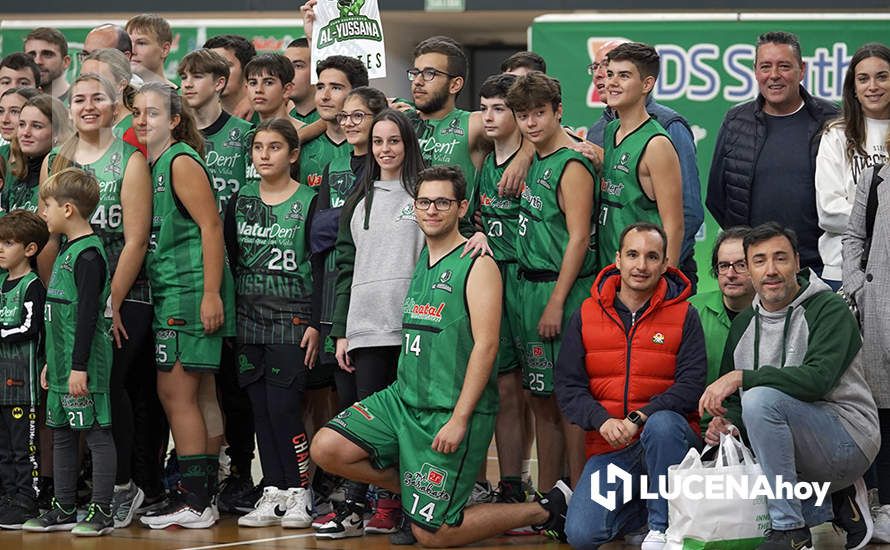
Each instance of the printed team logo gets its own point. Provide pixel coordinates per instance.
(341, 183)
(658, 338)
(76, 401)
(407, 213)
(429, 481)
(114, 165)
(443, 282)
(360, 409)
(234, 139)
(351, 25)
(296, 212)
(594, 43)
(244, 364)
(17, 412)
(159, 186)
(453, 128)
(536, 357)
(544, 180)
(67, 265)
(622, 163)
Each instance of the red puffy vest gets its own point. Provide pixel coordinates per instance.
(627, 369)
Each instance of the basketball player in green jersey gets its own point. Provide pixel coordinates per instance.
(556, 265)
(303, 93)
(237, 51)
(337, 76)
(449, 135)
(203, 74)
(500, 219)
(427, 434)
(641, 169)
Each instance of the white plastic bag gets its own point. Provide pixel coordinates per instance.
(716, 523)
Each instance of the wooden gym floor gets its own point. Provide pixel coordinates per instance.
(227, 534)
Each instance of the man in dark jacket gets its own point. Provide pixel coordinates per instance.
(630, 370)
(764, 164)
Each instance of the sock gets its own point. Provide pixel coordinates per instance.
(212, 466)
(527, 471)
(194, 480)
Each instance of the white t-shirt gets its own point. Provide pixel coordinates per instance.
(836, 178)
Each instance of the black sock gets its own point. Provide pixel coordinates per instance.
(194, 480)
(212, 468)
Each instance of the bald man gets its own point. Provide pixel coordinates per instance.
(107, 36)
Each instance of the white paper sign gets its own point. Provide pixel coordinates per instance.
(352, 28)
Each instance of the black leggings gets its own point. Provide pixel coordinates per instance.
(375, 369)
(278, 413)
(137, 318)
(881, 466)
(65, 464)
(237, 414)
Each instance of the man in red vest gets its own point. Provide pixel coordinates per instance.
(630, 372)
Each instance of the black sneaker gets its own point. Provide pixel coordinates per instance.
(556, 502)
(246, 501)
(231, 489)
(45, 491)
(15, 513)
(404, 536)
(348, 522)
(98, 522)
(851, 513)
(510, 493)
(152, 503)
(795, 539)
(55, 519)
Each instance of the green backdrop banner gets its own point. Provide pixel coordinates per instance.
(707, 67)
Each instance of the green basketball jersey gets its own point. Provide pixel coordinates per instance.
(341, 180)
(121, 127)
(437, 338)
(4, 153)
(227, 155)
(60, 318)
(500, 215)
(542, 233)
(316, 153)
(447, 141)
(107, 218)
(175, 259)
(308, 118)
(9, 179)
(273, 275)
(24, 195)
(20, 362)
(622, 200)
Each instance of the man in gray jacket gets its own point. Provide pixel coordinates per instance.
(807, 410)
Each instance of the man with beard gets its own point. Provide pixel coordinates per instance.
(49, 49)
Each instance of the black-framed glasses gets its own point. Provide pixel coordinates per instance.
(739, 266)
(82, 55)
(442, 204)
(356, 117)
(592, 68)
(428, 74)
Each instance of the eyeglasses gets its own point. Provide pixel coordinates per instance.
(82, 55)
(442, 204)
(591, 69)
(428, 74)
(740, 267)
(356, 117)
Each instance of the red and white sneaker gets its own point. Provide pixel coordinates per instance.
(386, 516)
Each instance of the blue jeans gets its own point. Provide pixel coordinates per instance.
(799, 441)
(665, 439)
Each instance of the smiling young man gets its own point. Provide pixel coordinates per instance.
(631, 368)
(49, 49)
(765, 157)
(795, 358)
(641, 170)
(427, 434)
(152, 40)
(556, 264)
(337, 76)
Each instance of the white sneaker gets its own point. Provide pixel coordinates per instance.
(182, 515)
(882, 524)
(655, 540)
(298, 506)
(268, 511)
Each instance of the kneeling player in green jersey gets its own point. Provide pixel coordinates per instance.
(191, 288)
(500, 219)
(78, 363)
(556, 265)
(426, 435)
(267, 236)
(641, 169)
